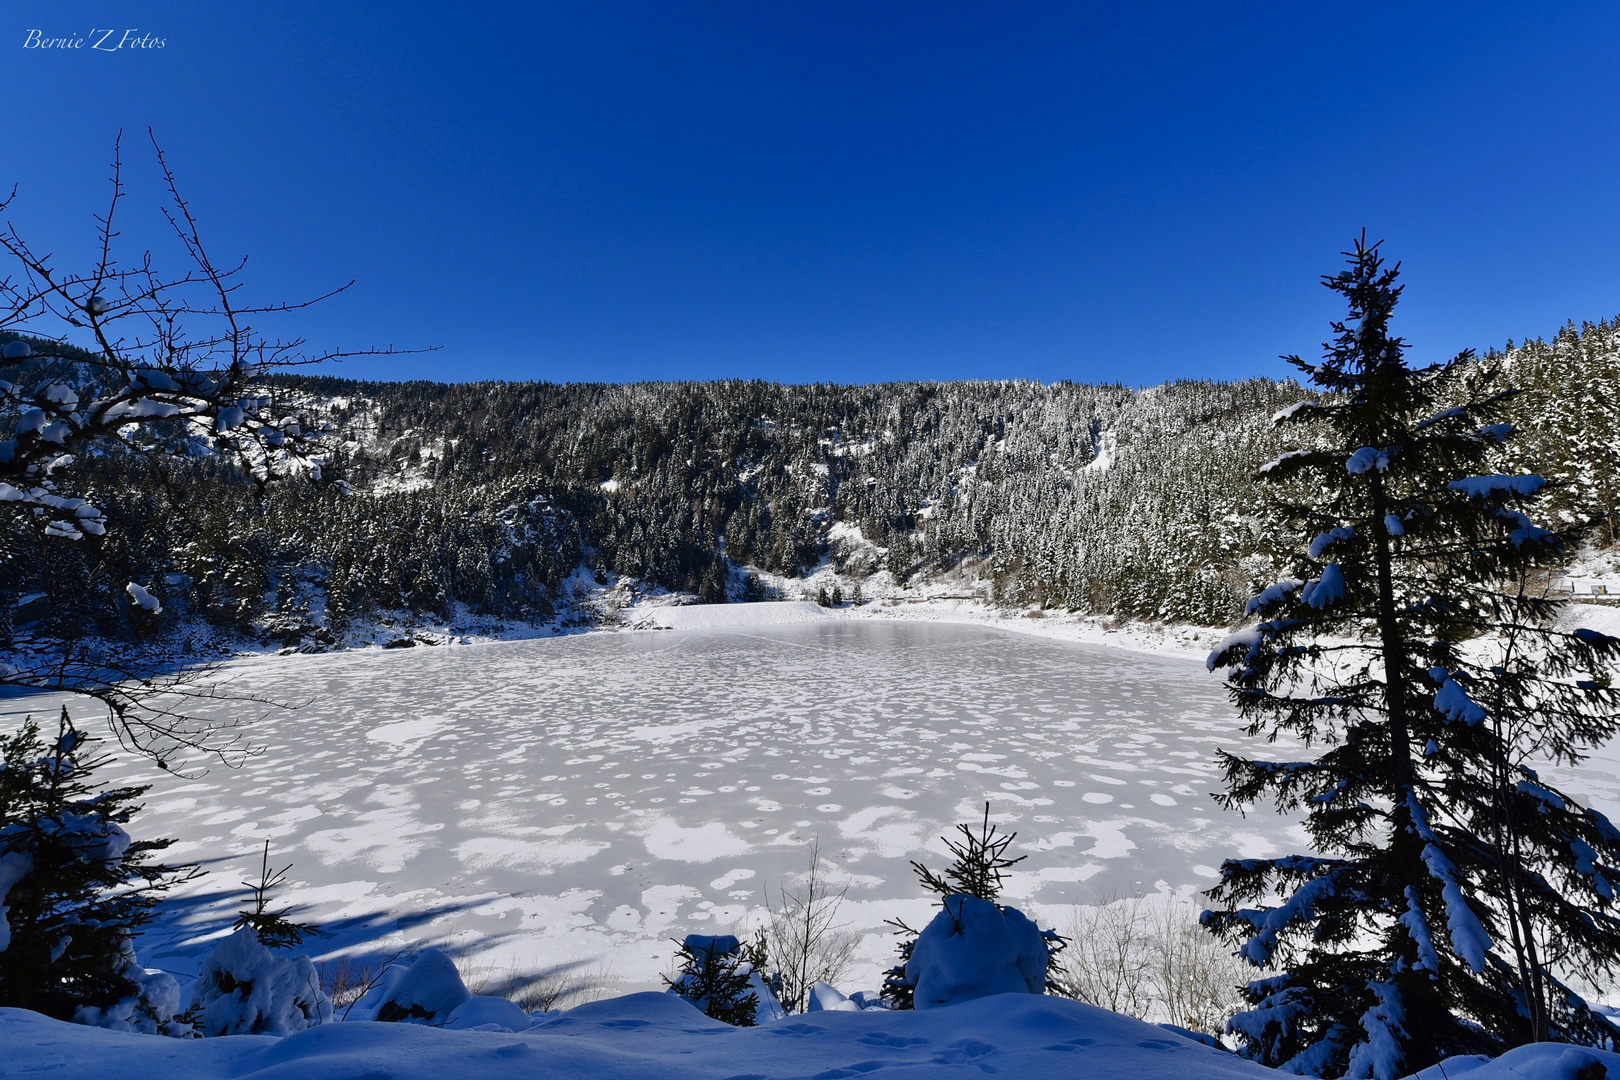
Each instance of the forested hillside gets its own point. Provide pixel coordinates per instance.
(489, 498)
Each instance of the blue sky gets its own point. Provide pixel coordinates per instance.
(849, 192)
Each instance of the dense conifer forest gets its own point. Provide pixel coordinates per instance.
(501, 499)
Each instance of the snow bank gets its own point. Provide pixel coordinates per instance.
(824, 997)
(1538, 1061)
(427, 990)
(725, 616)
(1014, 1036)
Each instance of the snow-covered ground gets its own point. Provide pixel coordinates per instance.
(647, 1036)
(584, 799)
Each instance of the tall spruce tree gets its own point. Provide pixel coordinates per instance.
(1452, 890)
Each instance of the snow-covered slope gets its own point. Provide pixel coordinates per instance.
(648, 1036)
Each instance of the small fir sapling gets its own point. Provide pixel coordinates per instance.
(75, 888)
(714, 977)
(976, 872)
(273, 928)
(246, 989)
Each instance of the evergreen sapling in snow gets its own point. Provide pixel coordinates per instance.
(714, 977)
(1013, 953)
(244, 988)
(1455, 890)
(75, 888)
(273, 929)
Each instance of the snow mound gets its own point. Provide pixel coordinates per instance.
(245, 989)
(1013, 1036)
(427, 990)
(974, 949)
(824, 997)
(725, 616)
(485, 1012)
(1537, 1061)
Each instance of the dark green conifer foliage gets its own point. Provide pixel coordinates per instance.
(714, 977)
(978, 862)
(1453, 888)
(79, 887)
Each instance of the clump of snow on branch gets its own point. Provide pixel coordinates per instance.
(1325, 540)
(1453, 702)
(1270, 922)
(1284, 415)
(1271, 594)
(143, 599)
(1325, 589)
(1379, 1056)
(1468, 935)
(1277, 462)
(1483, 487)
(1366, 459)
(14, 866)
(1418, 927)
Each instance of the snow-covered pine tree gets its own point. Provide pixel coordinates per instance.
(74, 887)
(1451, 887)
(714, 977)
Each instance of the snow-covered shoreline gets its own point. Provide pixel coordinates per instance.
(1175, 641)
(1163, 640)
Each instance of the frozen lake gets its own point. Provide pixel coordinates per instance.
(588, 798)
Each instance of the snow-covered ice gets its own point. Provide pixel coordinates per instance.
(586, 799)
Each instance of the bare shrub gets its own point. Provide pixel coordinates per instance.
(561, 987)
(805, 943)
(1110, 959)
(347, 979)
(558, 986)
(1196, 976)
(1147, 957)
